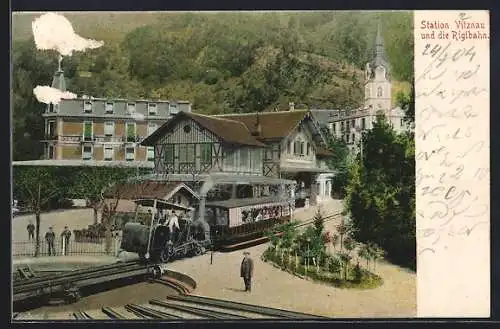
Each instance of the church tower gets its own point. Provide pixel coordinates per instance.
(378, 87)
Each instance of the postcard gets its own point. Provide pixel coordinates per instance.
(250, 165)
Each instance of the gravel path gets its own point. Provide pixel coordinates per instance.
(275, 288)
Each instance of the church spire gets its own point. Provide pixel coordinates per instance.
(379, 42)
(58, 81)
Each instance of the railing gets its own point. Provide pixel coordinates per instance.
(95, 246)
(50, 137)
(108, 139)
(71, 138)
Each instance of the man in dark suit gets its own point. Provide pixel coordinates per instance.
(50, 237)
(246, 271)
(31, 231)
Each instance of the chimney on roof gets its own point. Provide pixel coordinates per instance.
(291, 106)
(257, 129)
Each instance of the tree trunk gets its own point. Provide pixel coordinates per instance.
(37, 232)
(95, 215)
(108, 240)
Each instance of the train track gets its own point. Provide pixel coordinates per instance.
(188, 307)
(263, 239)
(67, 286)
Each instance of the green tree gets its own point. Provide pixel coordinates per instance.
(37, 186)
(381, 193)
(93, 182)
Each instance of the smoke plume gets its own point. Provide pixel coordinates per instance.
(47, 95)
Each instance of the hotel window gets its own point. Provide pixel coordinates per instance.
(168, 153)
(109, 128)
(88, 130)
(172, 108)
(131, 107)
(87, 152)
(152, 126)
(296, 148)
(308, 148)
(332, 128)
(130, 153)
(363, 123)
(150, 153)
(230, 158)
(353, 138)
(244, 157)
(353, 123)
(51, 128)
(108, 108)
(50, 152)
(53, 108)
(347, 138)
(87, 107)
(131, 131)
(186, 153)
(206, 153)
(401, 122)
(108, 153)
(152, 109)
(342, 128)
(379, 92)
(288, 147)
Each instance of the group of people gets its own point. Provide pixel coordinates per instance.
(50, 238)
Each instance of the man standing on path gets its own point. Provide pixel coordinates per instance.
(50, 237)
(31, 231)
(246, 271)
(65, 236)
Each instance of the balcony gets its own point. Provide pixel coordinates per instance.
(108, 139)
(132, 139)
(50, 137)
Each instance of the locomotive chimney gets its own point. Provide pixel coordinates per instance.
(257, 129)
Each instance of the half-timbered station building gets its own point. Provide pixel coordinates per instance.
(255, 151)
(103, 130)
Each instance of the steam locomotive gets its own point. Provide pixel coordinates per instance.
(225, 223)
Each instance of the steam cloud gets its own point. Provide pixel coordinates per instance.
(47, 95)
(54, 31)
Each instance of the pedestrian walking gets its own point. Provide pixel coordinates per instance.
(31, 231)
(50, 237)
(246, 271)
(65, 236)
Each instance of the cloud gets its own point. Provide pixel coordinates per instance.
(54, 31)
(47, 95)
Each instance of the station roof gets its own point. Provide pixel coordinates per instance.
(236, 203)
(85, 163)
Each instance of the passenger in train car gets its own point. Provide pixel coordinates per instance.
(244, 216)
(259, 216)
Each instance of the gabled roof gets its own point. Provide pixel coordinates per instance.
(149, 190)
(274, 125)
(230, 131)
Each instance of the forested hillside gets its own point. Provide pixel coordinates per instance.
(222, 62)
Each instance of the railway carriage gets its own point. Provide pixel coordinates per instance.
(225, 223)
(237, 220)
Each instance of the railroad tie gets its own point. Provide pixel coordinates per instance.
(211, 314)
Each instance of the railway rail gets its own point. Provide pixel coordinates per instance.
(67, 285)
(189, 307)
(263, 239)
